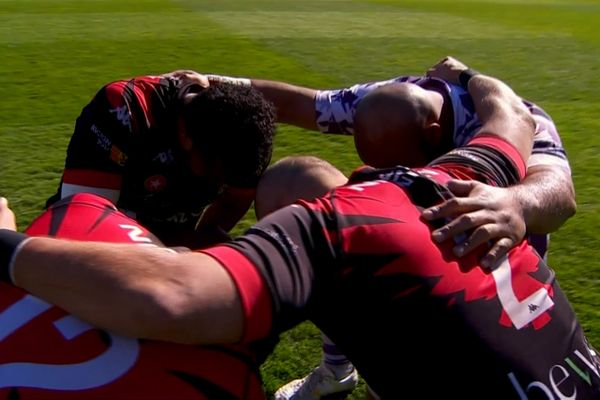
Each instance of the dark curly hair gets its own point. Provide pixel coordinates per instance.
(232, 126)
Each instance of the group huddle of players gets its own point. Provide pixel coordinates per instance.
(416, 268)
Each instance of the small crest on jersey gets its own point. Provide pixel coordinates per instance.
(122, 114)
(155, 183)
(117, 155)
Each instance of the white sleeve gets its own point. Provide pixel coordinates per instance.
(335, 109)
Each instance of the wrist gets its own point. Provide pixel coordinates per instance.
(10, 244)
(230, 80)
(525, 204)
(465, 76)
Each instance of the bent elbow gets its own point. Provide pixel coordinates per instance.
(176, 317)
(154, 315)
(171, 323)
(524, 116)
(571, 205)
(569, 198)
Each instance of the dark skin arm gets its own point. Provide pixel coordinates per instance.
(541, 203)
(295, 104)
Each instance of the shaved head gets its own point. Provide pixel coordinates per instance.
(392, 125)
(294, 178)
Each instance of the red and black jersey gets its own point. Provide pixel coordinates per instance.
(125, 147)
(46, 353)
(416, 321)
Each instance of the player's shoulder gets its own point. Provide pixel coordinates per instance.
(86, 216)
(136, 87)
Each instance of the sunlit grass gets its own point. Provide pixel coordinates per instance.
(56, 54)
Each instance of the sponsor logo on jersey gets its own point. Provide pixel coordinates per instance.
(122, 114)
(102, 140)
(155, 183)
(117, 155)
(562, 379)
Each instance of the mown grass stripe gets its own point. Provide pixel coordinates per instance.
(57, 53)
(345, 25)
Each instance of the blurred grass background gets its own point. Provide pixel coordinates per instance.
(57, 53)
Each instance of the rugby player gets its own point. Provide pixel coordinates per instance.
(413, 120)
(46, 353)
(397, 130)
(179, 156)
(461, 330)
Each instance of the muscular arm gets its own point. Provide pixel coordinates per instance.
(328, 111)
(133, 290)
(547, 198)
(295, 104)
(541, 203)
(500, 110)
(502, 113)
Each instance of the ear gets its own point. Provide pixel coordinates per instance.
(184, 140)
(433, 134)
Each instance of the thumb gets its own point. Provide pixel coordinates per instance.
(461, 188)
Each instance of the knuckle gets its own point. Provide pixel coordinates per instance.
(453, 203)
(467, 219)
(505, 245)
(484, 231)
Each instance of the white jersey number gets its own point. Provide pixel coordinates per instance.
(520, 312)
(119, 357)
(135, 233)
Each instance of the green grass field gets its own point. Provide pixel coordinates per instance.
(56, 53)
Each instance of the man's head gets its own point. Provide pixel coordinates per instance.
(294, 178)
(397, 124)
(228, 132)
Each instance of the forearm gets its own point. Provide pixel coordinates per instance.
(331, 113)
(132, 290)
(547, 198)
(502, 112)
(295, 104)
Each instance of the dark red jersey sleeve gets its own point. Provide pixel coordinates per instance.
(102, 140)
(108, 131)
(488, 159)
(273, 266)
(253, 293)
